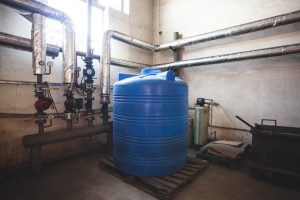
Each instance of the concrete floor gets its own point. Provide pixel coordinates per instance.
(80, 178)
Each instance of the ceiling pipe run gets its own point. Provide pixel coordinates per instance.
(246, 55)
(259, 25)
(251, 27)
(25, 44)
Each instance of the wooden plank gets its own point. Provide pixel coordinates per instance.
(198, 162)
(165, 183)
(186, 172)
(191, 169)
(173, 180)
(179, 176)
(195, 166)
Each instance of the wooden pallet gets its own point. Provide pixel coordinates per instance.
(161, 187)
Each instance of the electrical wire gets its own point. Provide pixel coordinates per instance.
(53, 106)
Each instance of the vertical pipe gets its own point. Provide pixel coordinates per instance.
(89, 66)
(36, 153)
(69, 53)
(39, 79)
(69, 124)
(105, 68)
(39, 46)
(89, 21)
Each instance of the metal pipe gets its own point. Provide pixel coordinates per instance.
(34, 140)
(259, 25)
(55, 115)
(89, 20)
(69, 50)
(38, 35)
(24, 44)
(106, 54)
(128, 64)
(69, 53)
(37, 7)
(228, 32)
(246, 55)
(105, 68)
(129, 40)
(229, 128)
(36, 153)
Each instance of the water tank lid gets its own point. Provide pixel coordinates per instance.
(147, 71)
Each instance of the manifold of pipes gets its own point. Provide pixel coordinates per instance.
(263, 24)
(69, 50)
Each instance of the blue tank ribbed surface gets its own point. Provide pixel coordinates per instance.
(150, 114)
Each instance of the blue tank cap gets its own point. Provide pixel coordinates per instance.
(146, 71)
(168, 75)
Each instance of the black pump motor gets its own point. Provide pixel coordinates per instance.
(72, 104)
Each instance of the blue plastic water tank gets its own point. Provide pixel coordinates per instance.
(150, 117)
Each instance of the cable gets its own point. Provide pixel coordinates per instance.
(53, 106)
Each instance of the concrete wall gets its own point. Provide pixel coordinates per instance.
(16, 66)
(264, 88)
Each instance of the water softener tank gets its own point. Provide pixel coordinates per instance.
(201, 121)
(150, 117)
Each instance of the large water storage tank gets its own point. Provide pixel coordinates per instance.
(150, 117)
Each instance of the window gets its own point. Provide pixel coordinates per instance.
(120, 5)
(77, 10)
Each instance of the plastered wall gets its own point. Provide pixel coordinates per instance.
(256, 89)
(16, 65)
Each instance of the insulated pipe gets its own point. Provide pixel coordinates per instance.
(69, 50)
(259, 25)
(263, 24)
(89, 21)
(106, 54)
(69, 53)
(38, 35)
(34, 140)
(24, 44)
(246, 55)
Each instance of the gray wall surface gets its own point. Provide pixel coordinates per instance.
(256, 89)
